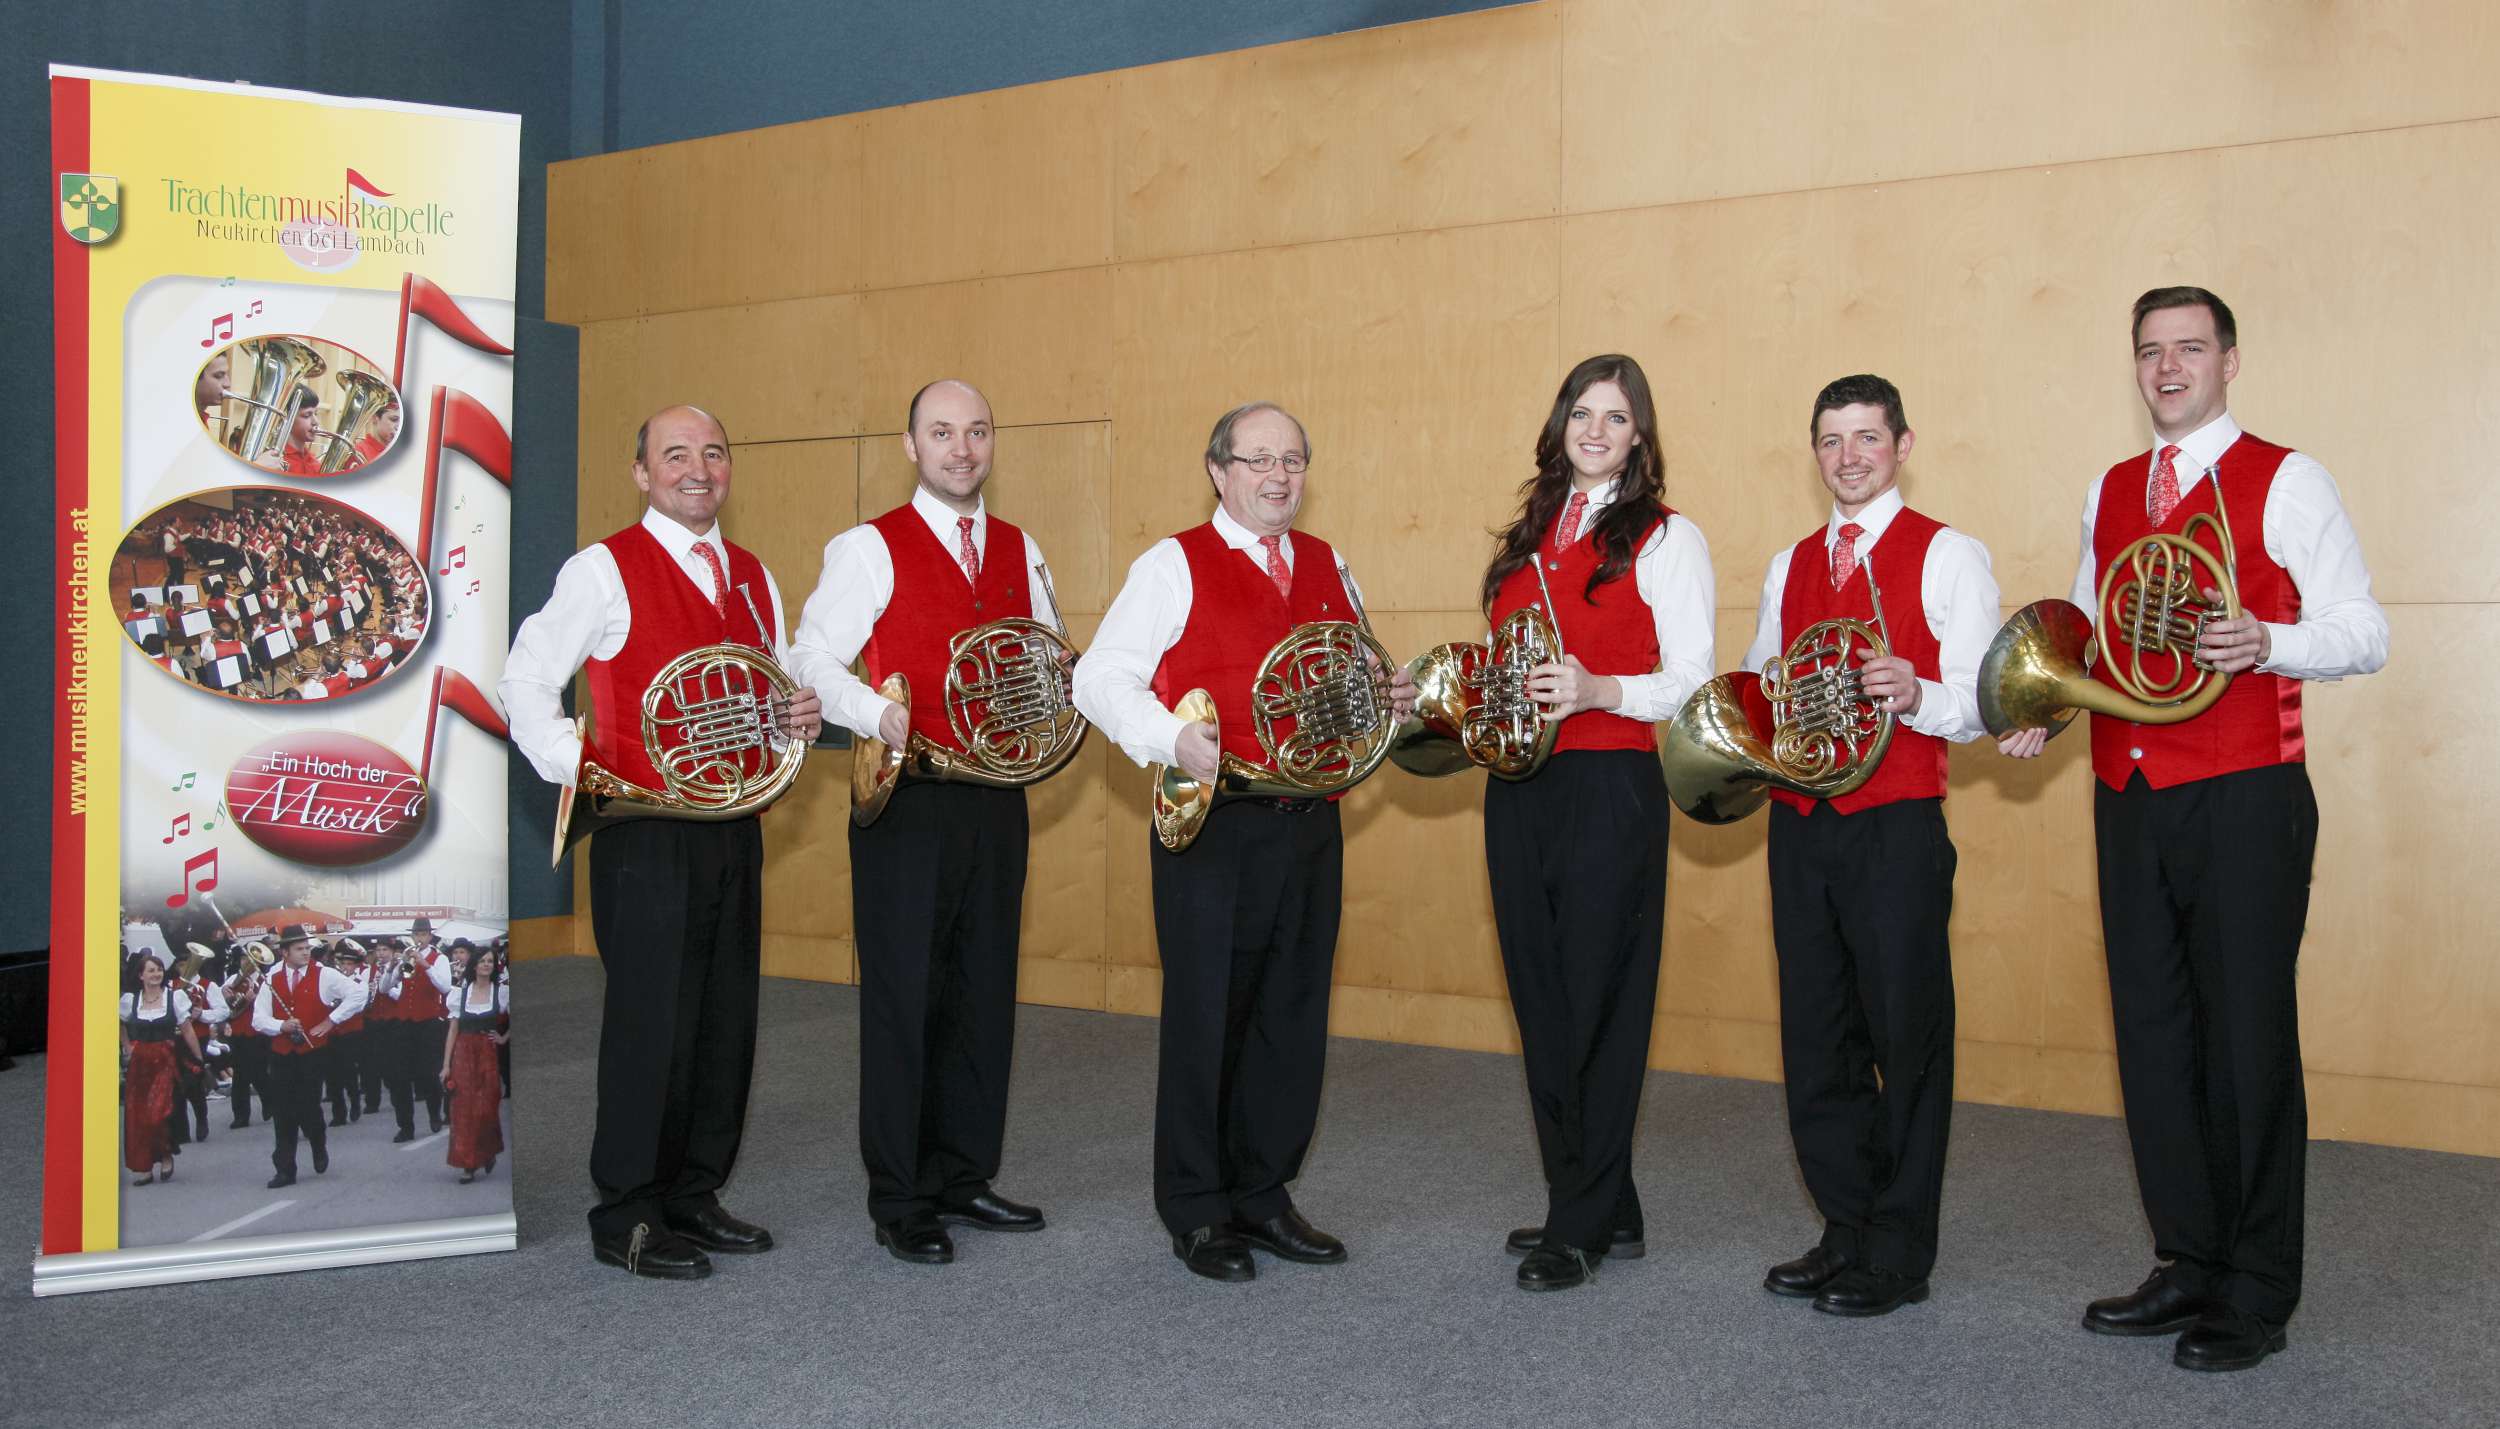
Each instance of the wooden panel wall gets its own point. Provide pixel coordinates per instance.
(1407, 235)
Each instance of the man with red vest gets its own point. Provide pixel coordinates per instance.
(1246, 917)
(676, 904)
(1862, 884)
(2205, 831)
(937, 881)
(298, 1007)
(412, 988)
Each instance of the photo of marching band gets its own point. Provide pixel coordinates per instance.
(306, 406)
(269, 595)
(373, 1044)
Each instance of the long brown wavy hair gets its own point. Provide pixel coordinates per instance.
(1625, 520)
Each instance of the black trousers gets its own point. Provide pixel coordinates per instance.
(1577, 857)
(295, 1105)
(937, 898)
(1246, 923)
(677, 908)
(251, 1076)
(346, 1058)
(2204, 893)
(411, 1054)
(1859, 905)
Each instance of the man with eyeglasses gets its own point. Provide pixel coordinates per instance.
(1245, 917)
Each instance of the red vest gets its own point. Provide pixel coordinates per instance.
(1235, 618)
(932, 604)
(301, 1001)
(1613, 632)
(419, 1000)
(1914, 764)
(2257, 721)
(670, 617)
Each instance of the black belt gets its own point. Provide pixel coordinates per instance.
(1288, 806)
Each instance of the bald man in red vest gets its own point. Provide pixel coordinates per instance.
(676, 904)
(2206, 830)
(1246, 917)
(937, 880)
(1862, 884)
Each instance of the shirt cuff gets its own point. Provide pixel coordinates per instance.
(1640, 696)
(2287, 648)
(1934, 715)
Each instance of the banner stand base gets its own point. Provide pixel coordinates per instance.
(77, 1273)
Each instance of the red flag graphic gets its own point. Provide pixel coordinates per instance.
(463, 424)
(420, 297)
(364, 185)
(453, 691)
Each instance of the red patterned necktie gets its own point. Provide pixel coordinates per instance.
(1845, 553)
(2162, 497)
(964, 553)
(1567, 530)
(1277, 571)
(720, 578)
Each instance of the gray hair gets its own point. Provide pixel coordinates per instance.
(1220, 441)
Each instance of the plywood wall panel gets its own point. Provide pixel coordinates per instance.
(787, 499)
(1008, 181)
(594, 237)
(1698, 99)
(1038, 347)
(1411, 127)
(1422, 366)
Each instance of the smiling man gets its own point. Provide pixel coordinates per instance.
(937, 881)
(2205, 831)
(1862, 884)
(1246, 917)
(676, 904)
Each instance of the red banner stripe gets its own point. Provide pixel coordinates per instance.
(65, 1092)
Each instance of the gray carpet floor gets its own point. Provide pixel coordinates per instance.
(1423, 1160)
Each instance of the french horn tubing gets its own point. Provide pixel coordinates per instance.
(1472, 706)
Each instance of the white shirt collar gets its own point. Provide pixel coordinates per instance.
(1242, 538)
(2201, 449)
(942, 518)
(1872, 522)
(1599, 499)
(676, 539)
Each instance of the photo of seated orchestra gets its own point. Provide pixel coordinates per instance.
(300, 406)
(269, 595)
(308, 1033)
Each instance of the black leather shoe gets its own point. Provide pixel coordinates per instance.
(1805, 1277)
(283, 1178)
(652, 1251)
(1557, 1267)
(321, 1160)
(405, 1135)
(2158, 1307)
(917, 1238)
(2227, 1337)
(1625, 1244)
(1869, 1290)
(1289, 1237)
(1216, 1253)
(715, 1230)
(337, 1119)
(991, 1211)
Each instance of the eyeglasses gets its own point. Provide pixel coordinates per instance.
(1294, 463)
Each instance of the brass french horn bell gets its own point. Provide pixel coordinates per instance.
(2037, 671)
(1472, 706)
(1825, 737)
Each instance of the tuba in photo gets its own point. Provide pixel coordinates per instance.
(279, 366)
(711, 724)
(1320, 706)
(2037, 671)
(1824, 736)
(1472, 706)
(1009, 701)
(365, 394)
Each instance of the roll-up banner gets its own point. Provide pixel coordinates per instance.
(282, 337)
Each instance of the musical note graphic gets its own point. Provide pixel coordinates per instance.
(463, 424)
(220, 328)
(254, 310)
(422, 298)
(186, 781)
(210, 826)
(228, 283)
(199, 875)
(181, 828)
(459, 558)
(455, 692)
(472, 590)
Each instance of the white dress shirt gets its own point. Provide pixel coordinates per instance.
(2341, 630)
(216, 1011)
(332, 995)
(851, 595)
(1958, 589)
(1672, 573)
(1114, 680)
(180, 1003)
(587, 618)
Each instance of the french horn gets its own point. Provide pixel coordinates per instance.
(1009, 701)
(711, 725)
(2037, 671)
(1472, 706)
(1321, 709)
(1825, 737)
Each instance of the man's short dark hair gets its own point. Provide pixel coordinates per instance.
(1859, 388)
(642, 434)
(2226, 327)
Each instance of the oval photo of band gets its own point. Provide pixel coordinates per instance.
(296, 405)
(270, 595)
